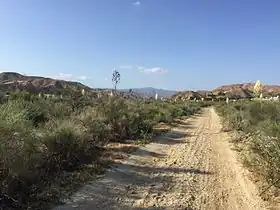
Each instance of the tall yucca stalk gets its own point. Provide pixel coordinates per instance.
(257, 89)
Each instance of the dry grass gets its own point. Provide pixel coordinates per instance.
(256, 127)
(47, 145)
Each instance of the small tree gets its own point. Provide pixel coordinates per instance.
(116, 78)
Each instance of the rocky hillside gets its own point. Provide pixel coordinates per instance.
(11, 81)
(246, 89)
(234, 91)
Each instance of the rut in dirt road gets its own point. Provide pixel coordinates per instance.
(190, 167)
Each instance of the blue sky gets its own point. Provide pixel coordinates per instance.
(178, 44)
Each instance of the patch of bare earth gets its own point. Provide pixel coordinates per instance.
(190, 167)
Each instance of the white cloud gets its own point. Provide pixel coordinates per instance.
(63, 76)
(106, 79)
(126, 67)
(83, 78)
(140, 68)
(137, 3)
(155, 70)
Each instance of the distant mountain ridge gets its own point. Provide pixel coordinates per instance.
(12, 81)
(150, 92)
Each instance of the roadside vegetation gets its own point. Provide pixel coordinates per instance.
(257, 136)
(48, 144)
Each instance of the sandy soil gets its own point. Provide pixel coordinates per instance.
(190, 167)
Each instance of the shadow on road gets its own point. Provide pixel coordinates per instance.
(153, 208)
(171, 138)
(152, 169)
(125, 181)
(182, 125)
(122, 185)
(203, 134)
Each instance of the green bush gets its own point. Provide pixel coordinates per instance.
(41, 138)
(36, 114)
(66, 146)
(261, 121)
(19, 154)
(266, 157)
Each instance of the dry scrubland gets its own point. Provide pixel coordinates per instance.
(46, 144)
(256, 126)
(49, 147)
(189, 167)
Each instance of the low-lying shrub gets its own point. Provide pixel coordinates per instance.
(42, 138)
(260, 120)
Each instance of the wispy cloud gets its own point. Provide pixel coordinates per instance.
(70, 77)
(126, 67)
(141, 68)
(137, 3)
(83, 77)
(155, 70)
(64, 76)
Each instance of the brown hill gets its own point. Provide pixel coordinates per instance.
(234, 91)
(186, 95)
(11, 81)
(245, 90)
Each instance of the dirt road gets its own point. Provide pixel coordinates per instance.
(191, 167)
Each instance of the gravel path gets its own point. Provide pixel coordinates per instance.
(190, 167)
